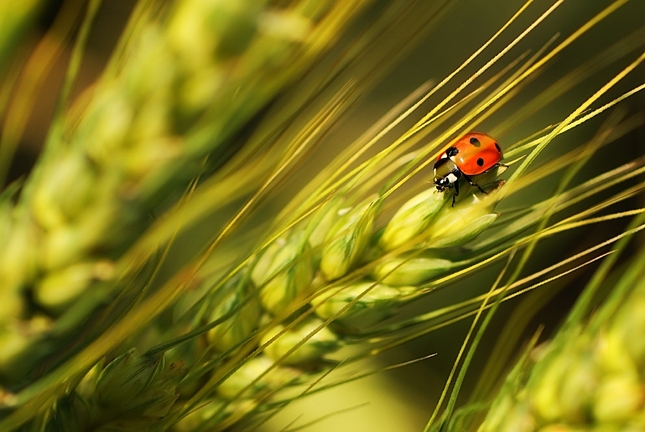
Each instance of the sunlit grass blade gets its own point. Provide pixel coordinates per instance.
(201, 243)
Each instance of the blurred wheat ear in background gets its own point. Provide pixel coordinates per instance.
(237, 217)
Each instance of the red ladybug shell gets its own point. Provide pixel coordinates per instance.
(476, 153)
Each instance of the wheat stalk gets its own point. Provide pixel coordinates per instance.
(130, 335)
(588, 375)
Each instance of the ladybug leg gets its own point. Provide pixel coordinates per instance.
(472, 183)
(454, 196)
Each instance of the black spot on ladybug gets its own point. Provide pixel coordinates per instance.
(499, 149)
(452, 151)
(474, 141)
(480, 161)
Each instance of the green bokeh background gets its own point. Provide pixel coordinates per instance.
(402, 400)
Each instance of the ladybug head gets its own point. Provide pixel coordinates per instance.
(446, 173)
(442, 183)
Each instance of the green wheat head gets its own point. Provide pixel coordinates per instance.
(190, 253)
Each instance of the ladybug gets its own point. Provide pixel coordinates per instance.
(473, 154)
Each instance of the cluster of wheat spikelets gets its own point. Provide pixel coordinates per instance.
(105, 326)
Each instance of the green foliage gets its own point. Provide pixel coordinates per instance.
(183, 258)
